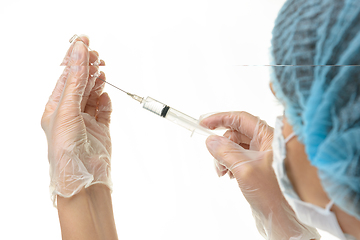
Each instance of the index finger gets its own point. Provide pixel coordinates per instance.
(243, 122)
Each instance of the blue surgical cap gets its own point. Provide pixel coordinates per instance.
(319, 42)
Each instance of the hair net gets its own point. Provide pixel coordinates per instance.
(322, 103)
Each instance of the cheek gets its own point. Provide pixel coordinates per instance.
(294, 165)
(287, 129)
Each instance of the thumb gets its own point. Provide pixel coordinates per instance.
(226, 151)
(78, 76)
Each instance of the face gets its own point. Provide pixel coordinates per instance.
(306, 183)
(301, 173)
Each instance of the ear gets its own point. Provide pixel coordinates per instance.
(271, 88)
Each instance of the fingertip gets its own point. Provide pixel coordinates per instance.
(219, 168)
(220, 173)
(94, 58)
(228, 134)
(204, 120)
(202, 123)
(79, 45)
(102, 79)
(104, 109)
(104, 97)
(208, 123)
(231, 175)
(102, 76)
(95, 53)
(85, 39)
(213, 143)
(212, 138)
(82, 38)
(105, 103)
(79, 55)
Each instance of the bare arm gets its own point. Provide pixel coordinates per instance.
(87, 215)
(76, 122)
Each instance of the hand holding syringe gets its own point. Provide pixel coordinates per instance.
(164, 111)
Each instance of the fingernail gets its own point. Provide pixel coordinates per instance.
(97, 74)
(77, 52)
(201, 123)
(97, 62)
(219, 173)
(213, 143)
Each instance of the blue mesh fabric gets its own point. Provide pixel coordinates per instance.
(322, 103)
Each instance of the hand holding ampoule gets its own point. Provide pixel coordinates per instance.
(76, 121)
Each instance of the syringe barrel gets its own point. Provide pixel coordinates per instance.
(175, 116)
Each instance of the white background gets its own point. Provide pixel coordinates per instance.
(182, 53)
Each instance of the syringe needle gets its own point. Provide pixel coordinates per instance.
(134, 96)
(114, 86)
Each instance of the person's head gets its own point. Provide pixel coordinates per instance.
(322, 101)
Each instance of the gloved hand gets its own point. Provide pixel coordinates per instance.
(76, 123)
(245, 151)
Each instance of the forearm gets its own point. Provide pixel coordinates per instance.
(87, 215)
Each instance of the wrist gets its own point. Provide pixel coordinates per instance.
(99, 196)
(95, 193)
(88, 214)
(97, 190)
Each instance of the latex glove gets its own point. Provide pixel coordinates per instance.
(76, 123)
(245, 151)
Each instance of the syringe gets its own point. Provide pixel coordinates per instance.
(169, 113)
(163, 110)
(172, 115)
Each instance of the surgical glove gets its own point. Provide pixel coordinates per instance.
(245, 151)
(76, 123)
